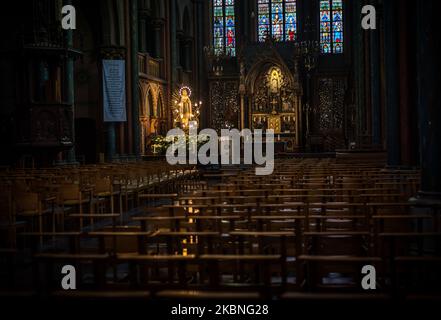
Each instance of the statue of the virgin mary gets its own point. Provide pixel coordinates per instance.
(185, 108)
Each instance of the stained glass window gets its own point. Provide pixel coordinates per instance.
(290, 20)
(277, 19)
(331, 26)
(224, 27)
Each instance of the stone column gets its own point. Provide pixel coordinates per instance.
(358, 70)
(250, 112)
(157, 28)
(142, 35)
(429, 100)
(187, 44)
(375, 84)
(178, 45)
(200, 67)
(111, 140)
(392, 99)
(173, 42)
(405, 62)
(242, 111)
(128, 45)
(70, 89)
(135, 75)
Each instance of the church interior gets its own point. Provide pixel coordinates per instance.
(91, 210)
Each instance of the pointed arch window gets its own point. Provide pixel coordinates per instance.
(331, 26)
(224, 27)
(277, 19)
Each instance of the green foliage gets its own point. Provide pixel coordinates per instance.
(160, 143)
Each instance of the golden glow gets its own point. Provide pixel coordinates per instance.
(275, 79)
(184, 109)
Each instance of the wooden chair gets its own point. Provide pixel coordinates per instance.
(30, 207)
(9, 225)
(73, 195)
(105, 188)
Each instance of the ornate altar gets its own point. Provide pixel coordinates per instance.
(275, 105)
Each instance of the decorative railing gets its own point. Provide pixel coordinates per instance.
(150, 66)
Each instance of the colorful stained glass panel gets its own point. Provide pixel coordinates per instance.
(224, 31)
(277, 19)
(290, 20)
(331, 26)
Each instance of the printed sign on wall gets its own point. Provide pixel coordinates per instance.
(114, 90)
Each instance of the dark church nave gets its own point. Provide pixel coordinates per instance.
(272, 153)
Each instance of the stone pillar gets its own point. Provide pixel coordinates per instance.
(178, 45)
(405, 63)
(157, 28)
(299, 128)
(111, 141)
(186, 47)
(142, 35)
(200, 66)
(392, 99)
(135, 75)
(250, 112)
(70, 89)
(358, 70)
(242, 111)
(128, 45)
(173, 42)
(429, 100)
(245, 9)
(375, 84)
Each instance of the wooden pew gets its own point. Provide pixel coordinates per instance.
(260, 263)
(92, 217)
(414, 248)
(318, 266)
(50, 260)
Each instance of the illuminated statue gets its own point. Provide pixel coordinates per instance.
(185, 109)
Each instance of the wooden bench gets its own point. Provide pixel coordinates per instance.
(317, 266)
(101, 295)
(91, 217)
(98, 261)
(217, 295)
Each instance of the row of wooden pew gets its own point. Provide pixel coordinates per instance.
(304, 232)
(42, 200)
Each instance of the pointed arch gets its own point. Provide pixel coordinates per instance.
(275, 93)
(143, 124)
(142, 108)
(263, 64)
(160, 106)
(150, 103)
